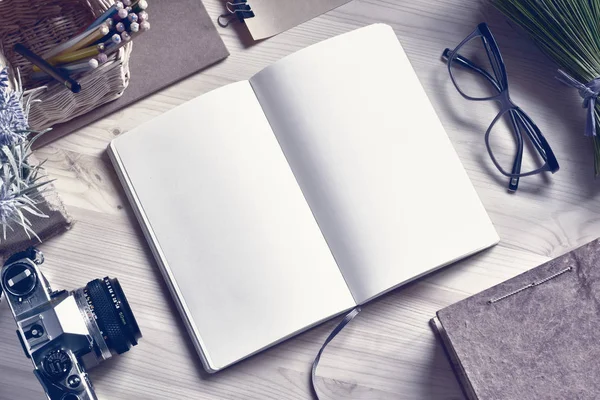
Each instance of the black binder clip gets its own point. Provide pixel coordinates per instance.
(237, 9)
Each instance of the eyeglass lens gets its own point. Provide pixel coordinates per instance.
(475, 84)
(505, 151)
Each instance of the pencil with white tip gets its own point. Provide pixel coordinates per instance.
(86, 38)
(140, 6)
(142, 16)
(122, 13)
(78, 55)
(108, 14)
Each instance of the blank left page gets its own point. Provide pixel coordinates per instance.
(231, 225)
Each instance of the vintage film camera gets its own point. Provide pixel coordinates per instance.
(66, 333)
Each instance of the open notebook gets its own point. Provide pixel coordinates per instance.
(277, 203)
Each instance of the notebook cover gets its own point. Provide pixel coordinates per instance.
(275, 16)
(539, 343)
(182, 41)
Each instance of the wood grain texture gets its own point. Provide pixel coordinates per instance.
(389, 351)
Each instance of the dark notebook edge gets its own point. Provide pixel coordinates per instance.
(461, 376)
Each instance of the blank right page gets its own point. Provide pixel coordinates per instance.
(374, 163)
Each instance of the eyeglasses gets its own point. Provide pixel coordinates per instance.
(478, 73)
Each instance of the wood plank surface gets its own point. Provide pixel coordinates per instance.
(389, 351)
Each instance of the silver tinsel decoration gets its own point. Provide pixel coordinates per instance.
(21, 185)
(13, 118)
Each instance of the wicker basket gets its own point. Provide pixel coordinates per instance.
(43, 24)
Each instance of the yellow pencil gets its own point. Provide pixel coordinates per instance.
(69, 43)
(98, 34)
(78, 55)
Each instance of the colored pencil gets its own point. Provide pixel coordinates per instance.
(106, 15)
(116, 46)
(142, 16)
(68, 44)
(102, 58)
(78, 55)
(114, 39)
(101, 31)
(122, 13)
(140, 6)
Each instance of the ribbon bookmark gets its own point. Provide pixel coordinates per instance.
(349, 317)
(588, 92)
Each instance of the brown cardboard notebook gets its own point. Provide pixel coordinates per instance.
(275, 16)
(182, 41)
(541, 342)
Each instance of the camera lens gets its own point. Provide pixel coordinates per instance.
(113, 314)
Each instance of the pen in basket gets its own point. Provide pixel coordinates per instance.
(60, 76)
(67, 68)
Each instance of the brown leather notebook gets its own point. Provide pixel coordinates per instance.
(535, 336)
(183, 40)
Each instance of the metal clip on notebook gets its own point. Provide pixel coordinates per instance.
(238, 9)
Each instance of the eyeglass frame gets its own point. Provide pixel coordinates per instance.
(517, 115)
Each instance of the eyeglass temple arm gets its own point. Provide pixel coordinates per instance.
(535, 139)
(466, 63)
(513, 183)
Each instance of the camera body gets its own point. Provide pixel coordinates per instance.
(66, 333)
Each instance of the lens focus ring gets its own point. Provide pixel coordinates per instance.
(106, 316)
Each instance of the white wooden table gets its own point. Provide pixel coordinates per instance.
(389, 351)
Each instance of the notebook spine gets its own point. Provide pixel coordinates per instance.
(238, 10)
(463, 379)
